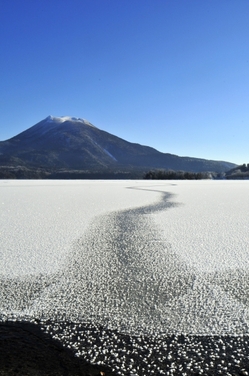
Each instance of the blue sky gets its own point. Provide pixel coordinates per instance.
(171, 74)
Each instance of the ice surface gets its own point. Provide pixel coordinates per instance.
(141, 257)
(209, 231)
(40, 220)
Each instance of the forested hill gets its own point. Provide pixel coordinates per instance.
(239, 172)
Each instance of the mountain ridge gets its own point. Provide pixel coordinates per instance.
(74, 144)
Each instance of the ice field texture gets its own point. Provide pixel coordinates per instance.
(117, 268)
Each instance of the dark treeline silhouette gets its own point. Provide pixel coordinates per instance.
(176, 175)
(244, 167)
(26, 173)
(239, 172)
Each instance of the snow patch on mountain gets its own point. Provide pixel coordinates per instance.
(106, 151)
(110, 155)
(62, 119)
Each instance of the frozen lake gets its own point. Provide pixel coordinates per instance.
(143, 258)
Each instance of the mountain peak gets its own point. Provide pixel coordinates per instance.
(62, 119)
(73, 144)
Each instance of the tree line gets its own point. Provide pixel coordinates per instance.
(176, 175)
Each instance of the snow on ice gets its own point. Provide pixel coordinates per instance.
(147, 260)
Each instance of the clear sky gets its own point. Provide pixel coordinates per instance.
(171, 74)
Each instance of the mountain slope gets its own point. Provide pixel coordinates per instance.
(68, 143)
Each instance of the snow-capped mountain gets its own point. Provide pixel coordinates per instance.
(69, 143)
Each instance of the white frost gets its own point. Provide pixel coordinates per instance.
(138, 256)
